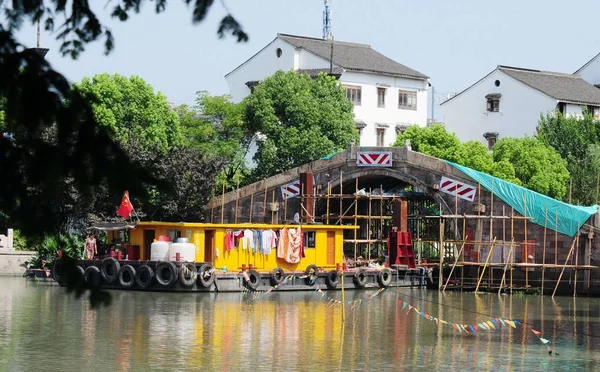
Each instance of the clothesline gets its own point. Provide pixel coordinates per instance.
(289, 243)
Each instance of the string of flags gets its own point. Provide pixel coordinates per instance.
(493, 323)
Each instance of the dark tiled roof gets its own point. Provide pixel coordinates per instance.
(563, 87)
(316, 71)
(352, 56)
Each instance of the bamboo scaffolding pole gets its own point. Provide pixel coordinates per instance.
(341, 199)
(485, 266)
(272, 209)
(342, 216)
(512, 239)
(508, 260)
(223, 203)
(556, 238)
(212, 210)
(441, 254)
(251, 205)
(563, 269)
(526, 242)
(454, 264)
(285, 199)
(462, 268)
(237, 200)
(576, 261)
(355, 218)
(369, 235)
(479, 225)
(265, 205)
(544, 250)
(503, 233)
(380, 220)
(491, 230)
(328, 195)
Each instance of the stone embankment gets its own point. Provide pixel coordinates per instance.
(12, 263)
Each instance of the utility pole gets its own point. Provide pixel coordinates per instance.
(432, 102)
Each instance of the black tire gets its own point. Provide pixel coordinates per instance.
(277, 276)
(166, 273)
(187, 274)
(206, 281)
(385, 277)
(110, 268)
(80, 271)
(311, 271)
(360, 278)
(253, 279)
(93, 276)
(126, 276)
(57, 270)
(144, 276)
(332, 279)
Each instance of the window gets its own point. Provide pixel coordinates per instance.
(407, 100)
(309, 239)
(353, 94)
(380, 97)
(174, 234)
(594, 111)
(380, 136)
(493, 102)
(279, 52)
(491, 137)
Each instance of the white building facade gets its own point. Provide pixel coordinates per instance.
(508, 102)
(590, 72)
(387, 96)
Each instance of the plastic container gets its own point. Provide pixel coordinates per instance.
(159, 251)
(186, 250)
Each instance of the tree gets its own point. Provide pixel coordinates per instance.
(298, 120)
(216, 127)
(577, 141)
(129, 107)
(538, 166)
(523, 161)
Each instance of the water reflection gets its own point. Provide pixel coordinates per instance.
(40, 326)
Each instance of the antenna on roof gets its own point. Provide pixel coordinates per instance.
(327, 34)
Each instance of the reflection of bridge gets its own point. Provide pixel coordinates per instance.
(360, 186)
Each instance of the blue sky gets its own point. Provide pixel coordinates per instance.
(455, 43)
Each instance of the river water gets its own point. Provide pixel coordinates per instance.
(42, 328)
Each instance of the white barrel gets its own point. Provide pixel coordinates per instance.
(159, 251)
(186, 250)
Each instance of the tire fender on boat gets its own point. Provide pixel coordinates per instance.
(253, 279)
(80, 271)
(385, 277)
(110, 268)
(332, 279)
(144, 276)
(203, 279)
(187, 274)
(277, 276)
(126, 276)
(360, 278)
(57, 271)
(93, 276)
(166, 273)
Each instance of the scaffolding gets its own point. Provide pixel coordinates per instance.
(470, 251)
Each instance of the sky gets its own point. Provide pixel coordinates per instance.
(455, 43)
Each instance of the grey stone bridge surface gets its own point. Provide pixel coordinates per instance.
(424, 174)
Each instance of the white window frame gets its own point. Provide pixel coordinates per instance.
(407, 99)
(354, 94)
(381, 98)
(377, 137)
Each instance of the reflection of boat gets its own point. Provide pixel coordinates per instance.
(165, 256)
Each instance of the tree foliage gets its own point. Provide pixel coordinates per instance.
(130, 108)
(524, 161)
(298, 120)
(577, 141)
(216, 127)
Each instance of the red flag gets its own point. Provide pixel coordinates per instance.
(537, 333)
(126, 208)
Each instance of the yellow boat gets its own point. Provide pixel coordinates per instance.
(233, 257)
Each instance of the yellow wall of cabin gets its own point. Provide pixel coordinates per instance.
(234, 259)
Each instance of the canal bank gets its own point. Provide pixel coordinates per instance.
(12, 263)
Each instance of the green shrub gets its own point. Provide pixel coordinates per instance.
(47, 251)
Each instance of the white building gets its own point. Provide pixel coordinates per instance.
(508, 102)
(386, 95)
(590, 72)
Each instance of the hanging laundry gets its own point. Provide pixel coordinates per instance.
(293, 253)
(229, 240)
(238, 235)
(257, 241)
(248, 240)
(269, 241)
(283, 243)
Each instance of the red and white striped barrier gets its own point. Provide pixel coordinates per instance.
(374, 159)
(459, 189)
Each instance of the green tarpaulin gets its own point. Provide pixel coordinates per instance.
(327, 157)
(570, 217)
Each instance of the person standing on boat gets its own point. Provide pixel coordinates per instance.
(90, 247)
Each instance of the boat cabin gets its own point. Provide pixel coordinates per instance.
(235, 246)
